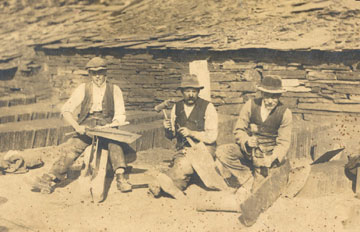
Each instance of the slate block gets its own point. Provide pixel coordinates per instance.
(4, 103)
(298, 74)
(23, 117)
(7, 141)
(6, 119)
(264, 196)
(52, 137)
(40, 138)
(16, 101)
(348, 76)
(243, 86)
(23, 139)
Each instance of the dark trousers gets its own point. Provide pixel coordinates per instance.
(236, 161)
(73, 148)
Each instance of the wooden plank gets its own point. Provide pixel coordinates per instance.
(52, 137)
(98, 183)
(160, 140)
(7, 141)
(357, 186)
(115, 134)
(23, 139)
(24, 117)
(6, 119)
(40, 138)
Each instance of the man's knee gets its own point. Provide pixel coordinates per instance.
(183, 165)
(75, 146)
(115, 148)
(227, 151)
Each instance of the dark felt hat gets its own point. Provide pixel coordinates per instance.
(271, 84)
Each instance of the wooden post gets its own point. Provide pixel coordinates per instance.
(200, 69)
(357, 186)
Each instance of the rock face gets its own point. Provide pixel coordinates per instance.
(150, 42)
(315, 87)
(312, 46)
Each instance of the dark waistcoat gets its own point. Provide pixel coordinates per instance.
(267, 131)
(107, 103)
(195, 121)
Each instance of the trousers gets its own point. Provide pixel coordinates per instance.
(73, 148)
(182, 170)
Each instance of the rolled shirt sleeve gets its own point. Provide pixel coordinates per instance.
(75, 100)
(119, 106)
(283, 140)
(241, 126)
(211, 125)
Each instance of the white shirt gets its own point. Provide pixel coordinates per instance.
(78, 95)
(210, 133)
(264, 112)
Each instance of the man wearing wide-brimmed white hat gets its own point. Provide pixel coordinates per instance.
(262, 135)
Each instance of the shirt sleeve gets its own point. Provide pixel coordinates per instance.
(173, 117)
(211, 125)
(119, 106)
(284, 136)
(241, 126)
(170, 134)
(75, 99)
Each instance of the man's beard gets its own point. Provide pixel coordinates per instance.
(270, 106)
(190, 101)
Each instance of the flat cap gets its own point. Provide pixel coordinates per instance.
(96, 64)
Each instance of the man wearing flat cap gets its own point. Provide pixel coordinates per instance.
(262, 134)
(101, 105)
(191, 117)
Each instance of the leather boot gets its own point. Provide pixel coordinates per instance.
(122, 183)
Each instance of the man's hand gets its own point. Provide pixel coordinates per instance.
(167, 124)
(80, 129)
(266, 161)
(114, 123)
(185, 132)
(252, 141)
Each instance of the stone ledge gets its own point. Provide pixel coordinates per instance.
(51, 132)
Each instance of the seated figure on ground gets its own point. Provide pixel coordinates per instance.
(101, 105)
(262, 134)
(191, 117)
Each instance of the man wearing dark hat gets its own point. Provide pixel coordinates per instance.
(101, 105)
(191, 117)
(262, 135)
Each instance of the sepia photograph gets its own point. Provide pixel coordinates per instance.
(180, 115)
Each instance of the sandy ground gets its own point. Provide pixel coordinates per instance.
(65, 210)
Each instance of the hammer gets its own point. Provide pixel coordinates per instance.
(162, 106)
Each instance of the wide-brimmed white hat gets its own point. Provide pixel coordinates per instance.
(190, 81)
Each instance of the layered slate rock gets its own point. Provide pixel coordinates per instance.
(218, 25)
